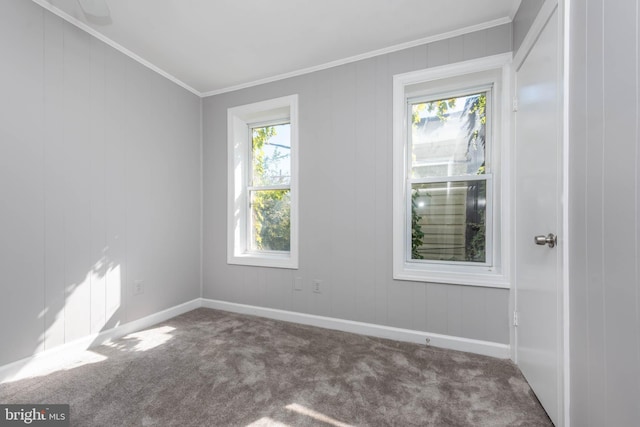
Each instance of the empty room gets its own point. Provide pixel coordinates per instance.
(334, 213)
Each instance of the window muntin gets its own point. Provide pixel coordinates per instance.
(449, 183)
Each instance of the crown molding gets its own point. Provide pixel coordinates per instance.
(407, 45)
(367, 55)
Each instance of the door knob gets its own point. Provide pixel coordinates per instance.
(550, 239)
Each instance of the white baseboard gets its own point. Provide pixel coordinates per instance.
(486, 348)
(49, 358)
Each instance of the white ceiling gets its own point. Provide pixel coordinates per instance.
(210, 46)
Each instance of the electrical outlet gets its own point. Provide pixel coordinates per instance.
(317, 286)
(297, 284)
(138, 287)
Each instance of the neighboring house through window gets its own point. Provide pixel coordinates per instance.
(451, 204)
(263, 167)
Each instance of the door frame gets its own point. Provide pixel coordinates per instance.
(545, 14)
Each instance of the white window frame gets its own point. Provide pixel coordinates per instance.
(494, 71)
(240, 120)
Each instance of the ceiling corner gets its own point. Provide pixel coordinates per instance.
(84, 27)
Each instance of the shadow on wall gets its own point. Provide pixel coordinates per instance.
(81, 307)
(95, 296)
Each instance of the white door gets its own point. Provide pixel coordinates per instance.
(538, 172)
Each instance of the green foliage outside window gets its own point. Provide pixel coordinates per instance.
(416, 229)
(271, 209)
(272, 220)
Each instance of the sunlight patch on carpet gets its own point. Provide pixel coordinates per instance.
(143, 340)
(267, 422)
(40, 367)
(316, 415)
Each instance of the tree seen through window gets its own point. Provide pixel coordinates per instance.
(270, 191)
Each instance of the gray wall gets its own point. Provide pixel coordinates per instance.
(605, 213)
(523, 20)
(99, 185)
(346, 202)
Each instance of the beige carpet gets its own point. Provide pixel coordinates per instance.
(213, 368)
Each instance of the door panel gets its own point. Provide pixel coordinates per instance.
(538, 212)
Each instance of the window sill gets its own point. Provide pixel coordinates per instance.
(264, 260)
(488, 277)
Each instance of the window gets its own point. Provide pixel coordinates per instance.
(451, 204)
(448, 177)
(262, 205)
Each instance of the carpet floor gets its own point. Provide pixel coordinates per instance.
(213, 368)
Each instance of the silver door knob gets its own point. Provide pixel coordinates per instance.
(550, 239)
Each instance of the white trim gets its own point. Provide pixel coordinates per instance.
(498, 276)
(453, 70)
(84, 27)
(541, 20)
(201, 197)
(12, 371)
(486, 348)
(367, 55)
(238, 121)
(565, 9)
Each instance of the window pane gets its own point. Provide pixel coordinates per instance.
(448, 221)
(448, 136)
(271, 156)
(271, 220)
